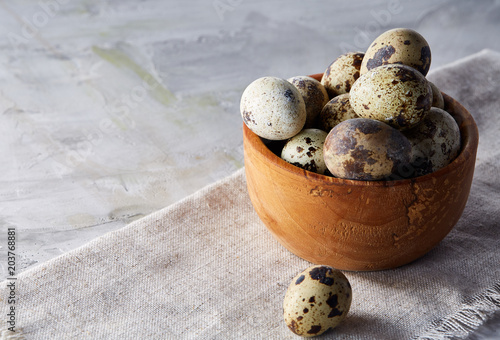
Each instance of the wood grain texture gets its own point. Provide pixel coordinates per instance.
(359, 225)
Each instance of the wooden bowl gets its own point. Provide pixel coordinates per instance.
(359, 225)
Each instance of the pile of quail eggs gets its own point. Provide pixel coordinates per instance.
(373, 115)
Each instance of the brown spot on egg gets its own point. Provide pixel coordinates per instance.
(294, 327)
(300, 279)
(381, 57)
(347, 85)
(404, 76)
(310, 166)
(361, 153)
(401, 120)
(335, 312)
(314, 329)
(423, 102)
(289, 95)
(305, 311)
(367, 128)
(347, 144)
(333, 303)
(444, 148)
(248, 117)
(322, 274)
(425, 58)
(354, 169)
(312, 299)
(407, 42)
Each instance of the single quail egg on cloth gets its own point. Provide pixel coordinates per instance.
(317, 299)
(394, 94)
(366, 149)
(435, 141)
(335, 111)
(398, 46)
(305, 150)
(314, 95)
(273, 108)
(342, 73)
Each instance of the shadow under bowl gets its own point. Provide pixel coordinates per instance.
(360, 225)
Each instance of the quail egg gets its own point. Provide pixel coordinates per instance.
(398, 46)
(317, 299)
(305, 150)
(314, 95)
(435, 141)
(437, 97)
(394, 94)
(273, 108)
(342, 73)
(335, 111)
(366, 149)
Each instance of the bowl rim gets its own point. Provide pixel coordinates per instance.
(469, 138)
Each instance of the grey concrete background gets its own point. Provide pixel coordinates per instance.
(110, 110)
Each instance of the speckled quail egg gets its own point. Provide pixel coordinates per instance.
(273, 108)
(342, 73)
(314, 95)
(398, 46)
(317, 299)
(394, 94)
(435, 141)
(437, 97)
(335, 111)
(305, 150)
(366, 149)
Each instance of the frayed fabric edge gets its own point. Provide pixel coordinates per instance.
(474, 313)
(6, 334)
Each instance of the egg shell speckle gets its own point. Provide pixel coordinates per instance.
(335, 111)
(273, 108)
(398, 46)
(317, 299)
(367, 149)
(341, 74)
(305, 150)
(435, 141)
(394, 94)
(314, 95)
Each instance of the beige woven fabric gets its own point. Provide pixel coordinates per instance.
(207, 268)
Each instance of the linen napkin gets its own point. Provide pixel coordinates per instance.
(207, 268)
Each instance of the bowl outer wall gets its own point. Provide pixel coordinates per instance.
(359, 225)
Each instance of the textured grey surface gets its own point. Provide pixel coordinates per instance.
(111, 110)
